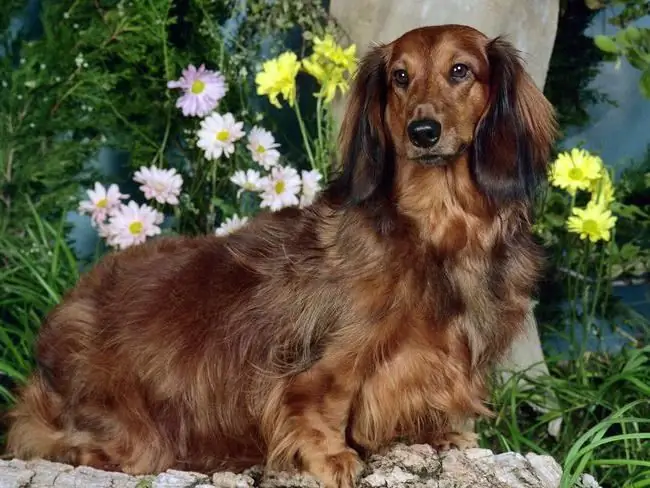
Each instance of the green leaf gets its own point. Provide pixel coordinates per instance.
(644, 84)
(606, 44)
(554, 220)
(145, 483)
(633, 34)
(629, 250)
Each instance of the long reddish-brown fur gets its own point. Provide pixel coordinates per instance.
(314, 334)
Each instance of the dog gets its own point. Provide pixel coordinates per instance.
(314, 336)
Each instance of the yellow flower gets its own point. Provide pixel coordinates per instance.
(329, 76)
(324, 46)
(329, 49)
(328, 89)
(602, 190)
(278, 77)
(593, 222)
(314, 68)
(576, 170)
(331, 65)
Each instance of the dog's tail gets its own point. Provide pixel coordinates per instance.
(35, 429)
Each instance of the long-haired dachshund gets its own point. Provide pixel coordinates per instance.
(313, 335)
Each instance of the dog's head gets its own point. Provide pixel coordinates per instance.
(436, 94)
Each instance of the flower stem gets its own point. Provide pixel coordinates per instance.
(177, 218)
(209, 207)
(168, 74)
(572, 283)
(599, 280)
(305, 137)
(331, 137)
(319, 124)
(583, 269)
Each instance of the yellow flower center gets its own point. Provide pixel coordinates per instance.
(222, 135)
(279, 187)
(135, 228)
(260, 149)
(103, 203)
(590, 226)
(576, 174)
(197, 87)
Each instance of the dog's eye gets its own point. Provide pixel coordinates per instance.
(401, 77)
(459, 71)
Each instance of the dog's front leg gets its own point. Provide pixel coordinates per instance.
(306, 425)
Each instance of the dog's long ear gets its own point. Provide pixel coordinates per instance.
(366, 158)
(513, 139)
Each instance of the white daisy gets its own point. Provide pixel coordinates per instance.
(218, 134)
(261, 144)
(310, 186)
(163, 185)
(102, 201)
(281, 188)
(246, 181)
(132, 224)
(230, 225)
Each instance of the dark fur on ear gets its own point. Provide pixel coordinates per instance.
(513, 140)
(366, 151)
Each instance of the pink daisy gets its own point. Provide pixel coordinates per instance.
(203, 89)
(102, 201)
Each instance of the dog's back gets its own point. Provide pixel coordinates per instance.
(161, 355)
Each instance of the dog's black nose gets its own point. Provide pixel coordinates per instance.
(424, 133)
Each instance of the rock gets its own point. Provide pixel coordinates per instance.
(173, 479)
(402, 466)
(232, 480)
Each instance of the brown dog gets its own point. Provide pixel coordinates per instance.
(313, 334)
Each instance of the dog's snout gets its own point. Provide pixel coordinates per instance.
(424, 133)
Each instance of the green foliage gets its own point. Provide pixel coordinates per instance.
(265, 19)
(631, 10)
(631, 256)
(630, 42)
(95, 74)
(574, 64)
(145, 483)
(580, 272)
(601, 399)
(36, 269)
(602, 402)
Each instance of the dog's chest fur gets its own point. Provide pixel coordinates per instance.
(439, 341)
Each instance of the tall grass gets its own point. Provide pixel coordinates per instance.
(36, 269)
(604, 403)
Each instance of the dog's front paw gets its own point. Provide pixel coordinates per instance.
(340, 470)
(459, 440)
